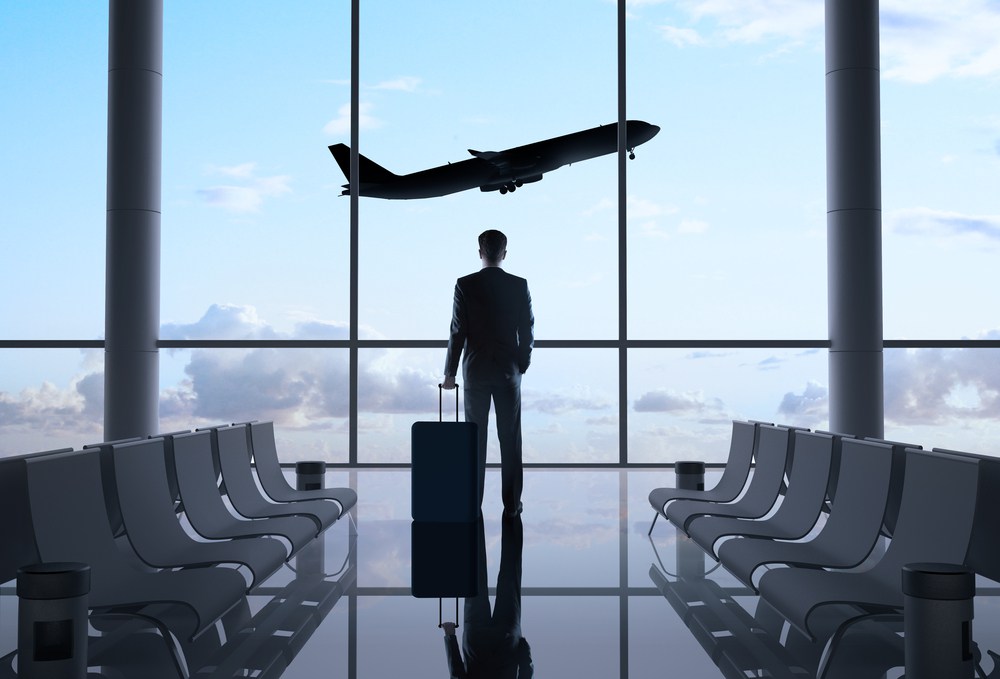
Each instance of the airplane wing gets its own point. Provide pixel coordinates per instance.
(504, 161)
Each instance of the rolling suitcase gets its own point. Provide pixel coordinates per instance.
(444, 478)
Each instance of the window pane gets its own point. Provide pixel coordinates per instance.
(50, 398)
(682, 402)
(436, 82)
(250, 210)
(943, 398)
(54, 117)
(726, 206)
(304, 391)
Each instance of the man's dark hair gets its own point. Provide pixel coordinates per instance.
(492, 244)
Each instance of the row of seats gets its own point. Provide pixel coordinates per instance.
(152, 520)
(817, 504)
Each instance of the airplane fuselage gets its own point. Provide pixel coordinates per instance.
(501, 171)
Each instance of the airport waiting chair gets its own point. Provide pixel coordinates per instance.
(851, 529)
(761, 492)
(16, 534)
(231, 446)
(207, 512)
(800, 506)
(935, 524)
(733, 479)
(154, 530)
(983, 555)
(70, 523)
(273, 481)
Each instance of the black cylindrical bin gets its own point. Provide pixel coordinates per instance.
(937, 621)
(52, 620)
(690, 475)
(309, 475)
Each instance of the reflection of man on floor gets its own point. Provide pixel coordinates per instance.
(492, 325)
(492, 642)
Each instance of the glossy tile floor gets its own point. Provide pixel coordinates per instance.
(598, 598)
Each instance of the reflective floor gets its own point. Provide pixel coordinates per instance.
(598, 598)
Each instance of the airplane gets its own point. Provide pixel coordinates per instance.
(502, 171)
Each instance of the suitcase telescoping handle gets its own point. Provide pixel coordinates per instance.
(441, 402)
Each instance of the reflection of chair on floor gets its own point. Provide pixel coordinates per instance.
(800, 507)
(154, 530)
(733, 479)
(71, 524)
(231, 446)
(851, 529)
(205, 509)
(934, 525)
(761, 493)
(265, 456)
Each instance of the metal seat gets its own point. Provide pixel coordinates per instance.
(851, 529)
(734, 477)
(934, 525)
(232, 446)
(800, 507)
(154, 530)
(273, 481)
(70, 523)
(204, 507)
(762, 490)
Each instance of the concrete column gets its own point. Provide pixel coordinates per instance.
(854, 217)
(132, 285)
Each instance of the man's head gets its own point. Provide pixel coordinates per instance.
(492, 247)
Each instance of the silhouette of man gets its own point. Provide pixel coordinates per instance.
(493, 325)
(492, 641)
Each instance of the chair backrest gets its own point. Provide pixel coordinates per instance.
(68, 509)
(899, 458)
(859, 506)
(146, 501)
(808, 475)
(198, 481)
(771, 453)
(936, 512)
(741, 447)
(168, 452)
(16, 534)
(108, 479)
(984, 547)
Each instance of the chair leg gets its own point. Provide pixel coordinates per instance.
(655, 517)
(827, 656)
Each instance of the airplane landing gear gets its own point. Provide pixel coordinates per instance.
(503, 190)
(631, 153)
(518, 182)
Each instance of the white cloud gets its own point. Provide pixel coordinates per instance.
(404, 83)
(341, 125)
(692, 226)
(680, 37)
(249, 195)
(565, 401)
(809, 408)
(923, 221)
(920, 40)
(669, 400)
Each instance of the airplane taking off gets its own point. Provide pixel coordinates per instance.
(501, 171)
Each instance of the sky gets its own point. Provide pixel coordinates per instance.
(726, 215)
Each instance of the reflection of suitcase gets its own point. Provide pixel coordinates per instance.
(444, 476)
(444, 559)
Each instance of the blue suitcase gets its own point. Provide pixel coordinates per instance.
(444, 478)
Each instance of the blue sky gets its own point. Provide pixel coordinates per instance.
(726, 211)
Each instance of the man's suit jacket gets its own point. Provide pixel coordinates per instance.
(492, 323)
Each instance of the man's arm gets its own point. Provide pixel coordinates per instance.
(456, 666)
(525, 332)
(456, 339)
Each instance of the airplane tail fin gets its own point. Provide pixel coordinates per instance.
(369, 170)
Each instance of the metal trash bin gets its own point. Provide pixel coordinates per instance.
(52, 620)
(937, 621)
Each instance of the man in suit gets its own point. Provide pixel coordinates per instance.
(492, 325)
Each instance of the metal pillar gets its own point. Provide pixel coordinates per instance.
(132, 285)
(854, 217)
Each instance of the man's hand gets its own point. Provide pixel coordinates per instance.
(449, 628)
(449, 382)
